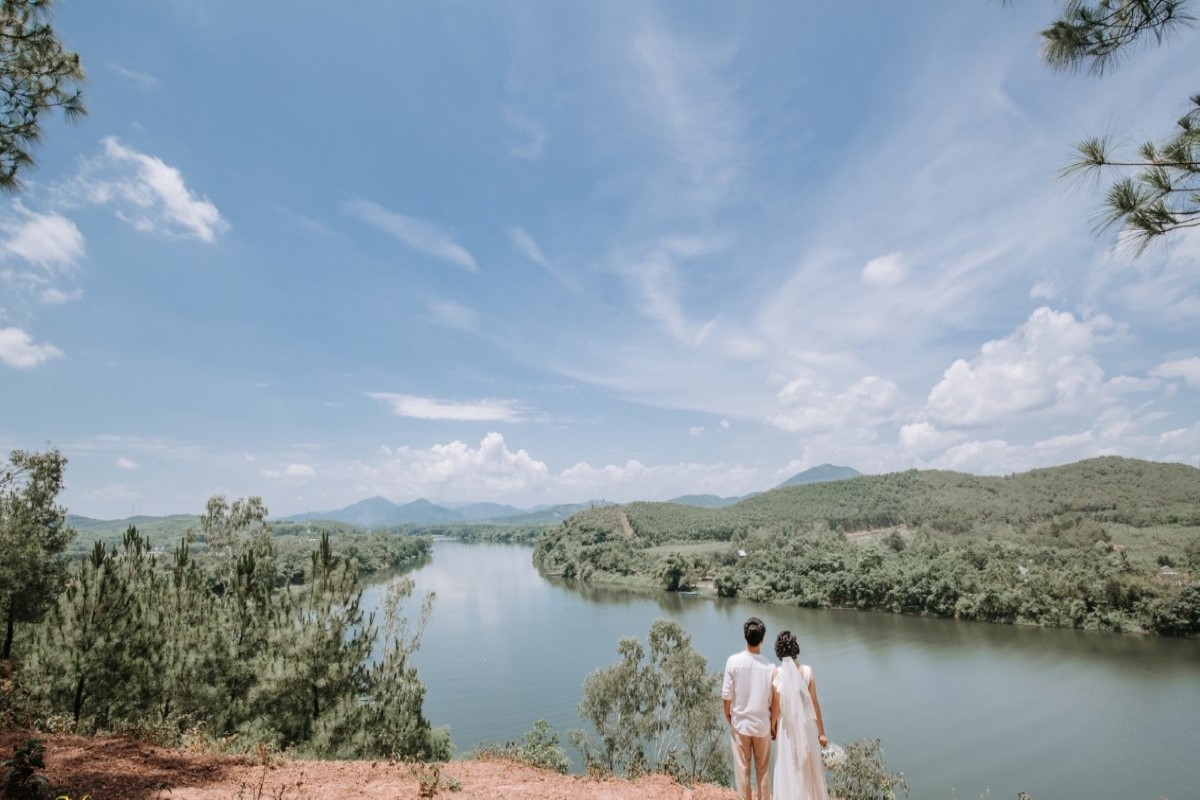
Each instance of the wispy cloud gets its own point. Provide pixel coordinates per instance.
(146, 192)
(19, 350)
(450, 314)
(143, 79)
(50, 241)
(533, 135)
(692, 102)
(431, 408)
(422, 236)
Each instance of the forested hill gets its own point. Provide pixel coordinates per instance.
(1109, 542)
(1108, 489)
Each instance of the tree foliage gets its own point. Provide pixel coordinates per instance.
(1158, 190)
(226, 647)
(656, 710)
(1072, 546)
(33, 532)
(36, 75)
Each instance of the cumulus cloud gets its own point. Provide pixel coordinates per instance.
(299, 471)
(921, 437)
(416, 407)
(696, 431)
(126, 463)
(457, 468)
(808, 405)
(148, 193)
(885, 270)
(417, 234)
(1046, 363)
(1186, 368)
(17, 349)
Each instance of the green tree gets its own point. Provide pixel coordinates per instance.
(655, 711)
(33, 533)
(36, 75)
(1158, 190)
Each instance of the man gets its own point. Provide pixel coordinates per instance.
(746, 692)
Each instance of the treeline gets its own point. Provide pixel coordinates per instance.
(1109, 543)
(241, 646)
(475, 531)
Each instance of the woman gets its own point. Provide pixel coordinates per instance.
(796, 726)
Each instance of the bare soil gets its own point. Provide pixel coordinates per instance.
(125, 769)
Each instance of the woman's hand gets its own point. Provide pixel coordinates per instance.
(824, 740)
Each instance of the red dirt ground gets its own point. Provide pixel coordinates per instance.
(123, 769)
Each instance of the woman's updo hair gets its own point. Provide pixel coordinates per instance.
(786, 645)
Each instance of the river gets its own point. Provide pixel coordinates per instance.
(964, 709)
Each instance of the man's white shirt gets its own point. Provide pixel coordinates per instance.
(748, 685)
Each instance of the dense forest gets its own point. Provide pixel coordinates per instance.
(239, 636)
(1108, 543)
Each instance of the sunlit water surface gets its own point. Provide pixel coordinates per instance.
(965, 710)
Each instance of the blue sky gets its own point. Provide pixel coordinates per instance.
(551, 252)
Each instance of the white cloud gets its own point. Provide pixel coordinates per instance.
(527, 247)
(126, 463)
(416, 407)
(724, 424)
(422, 236)
(696, 431)
(1043, 290)
(456, 469)
(154, 198)
(143, 79)
(17, 349)
(452, 315)
(921, 437)
(807, 405)
(533, 132)
(56, 296)
(1046, 363)
(692, 105)
(1186, 368)
(654, 276)
(299, 471)
(50, 241)
(885, 270)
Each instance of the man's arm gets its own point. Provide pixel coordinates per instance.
(728, 711)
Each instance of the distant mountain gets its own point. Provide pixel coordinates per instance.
(705, 500)
(474, 512)
(376, 512)
(822, 474)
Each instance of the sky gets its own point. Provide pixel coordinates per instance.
(537, 253)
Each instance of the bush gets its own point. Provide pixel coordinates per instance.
(537, 748)
(864, 776)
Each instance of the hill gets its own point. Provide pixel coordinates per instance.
(1108, 542)
(825, 473)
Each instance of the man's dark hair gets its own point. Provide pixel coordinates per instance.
(754, 631)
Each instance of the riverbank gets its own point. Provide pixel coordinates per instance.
(126, 769)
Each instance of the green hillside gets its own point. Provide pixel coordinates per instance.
(1109, 542)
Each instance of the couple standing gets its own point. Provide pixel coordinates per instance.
(765, 702)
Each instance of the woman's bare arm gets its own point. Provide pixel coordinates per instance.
(812, 692)
(774, 703)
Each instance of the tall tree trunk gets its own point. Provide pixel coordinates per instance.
(8, 635)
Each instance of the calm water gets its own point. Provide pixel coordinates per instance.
(965, 710)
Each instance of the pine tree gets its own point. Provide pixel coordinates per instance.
(33, 534)
(36, 75)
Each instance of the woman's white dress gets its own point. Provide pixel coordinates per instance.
(799, 773)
